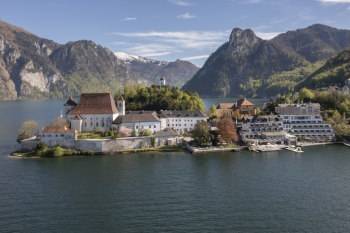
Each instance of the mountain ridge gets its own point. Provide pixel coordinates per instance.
(35, 67)
(247, 62)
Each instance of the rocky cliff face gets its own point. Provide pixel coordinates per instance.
(33, 67)
(26, 70)
(246, 60)
(243, 57)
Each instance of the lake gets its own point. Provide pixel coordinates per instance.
(170, 192)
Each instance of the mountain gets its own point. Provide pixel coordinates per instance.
(245, 65)
(34, 67)
(150, 71)
(334, 73)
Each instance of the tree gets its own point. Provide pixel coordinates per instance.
(28, 129)
(140, 97)
(213, 112)
(201, 134)
(145, 133)
(306, 94)
(227, 130)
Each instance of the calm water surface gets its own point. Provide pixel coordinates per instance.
(170, 192)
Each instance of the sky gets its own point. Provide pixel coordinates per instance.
(168, 29)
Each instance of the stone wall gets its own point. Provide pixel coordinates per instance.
(114, 145)
(122, 144)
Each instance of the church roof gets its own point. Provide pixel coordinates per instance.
(95, 103)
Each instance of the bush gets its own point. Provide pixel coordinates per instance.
(58, 151)
(201, 134)
(146, 133)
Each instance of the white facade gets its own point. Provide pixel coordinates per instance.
(58, 138)
(93, 122)
(141, 126)
(265, 129)
(181, 124)
(305, 122)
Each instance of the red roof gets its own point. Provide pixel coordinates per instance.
(60, 125)
(95, 103)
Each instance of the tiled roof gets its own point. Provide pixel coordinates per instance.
(95, 103)
(135, 117)
(225, 106)
(179, 113)
(60, 125)
(244, 102)
(167, 133)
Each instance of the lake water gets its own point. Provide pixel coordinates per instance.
(170, 192)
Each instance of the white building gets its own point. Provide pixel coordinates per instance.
(138, 121)
(181, 121)
(58, 133)
(265, 129)
(305, 122)
(94, 112)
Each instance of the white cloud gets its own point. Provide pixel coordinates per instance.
(129, 19)
(334, 1)
(177, 43)
(151, 50)
(183, 39)
(186, 15)
(181, 2)
(199, 57)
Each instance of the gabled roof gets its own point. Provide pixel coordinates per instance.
(225, 106)
(166, 133)
(244, 102)
(60, 125)
(95, 103)
(180, 113)
(136, 117)
(70, 102)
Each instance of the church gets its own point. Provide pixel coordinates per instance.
(94, 112)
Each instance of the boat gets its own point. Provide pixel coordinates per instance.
(296, 149)
(254, 147)
(265, 148)
(269, 147)
(346, 144)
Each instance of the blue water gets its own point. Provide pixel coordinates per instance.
(170, 192)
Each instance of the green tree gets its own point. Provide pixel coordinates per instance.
(306, 94)
(201, 134)
(140, 97)
(213, 112)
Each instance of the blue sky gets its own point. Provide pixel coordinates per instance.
(168, 29)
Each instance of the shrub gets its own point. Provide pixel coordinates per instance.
(58, 151)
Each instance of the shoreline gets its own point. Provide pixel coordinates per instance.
(189, 149)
